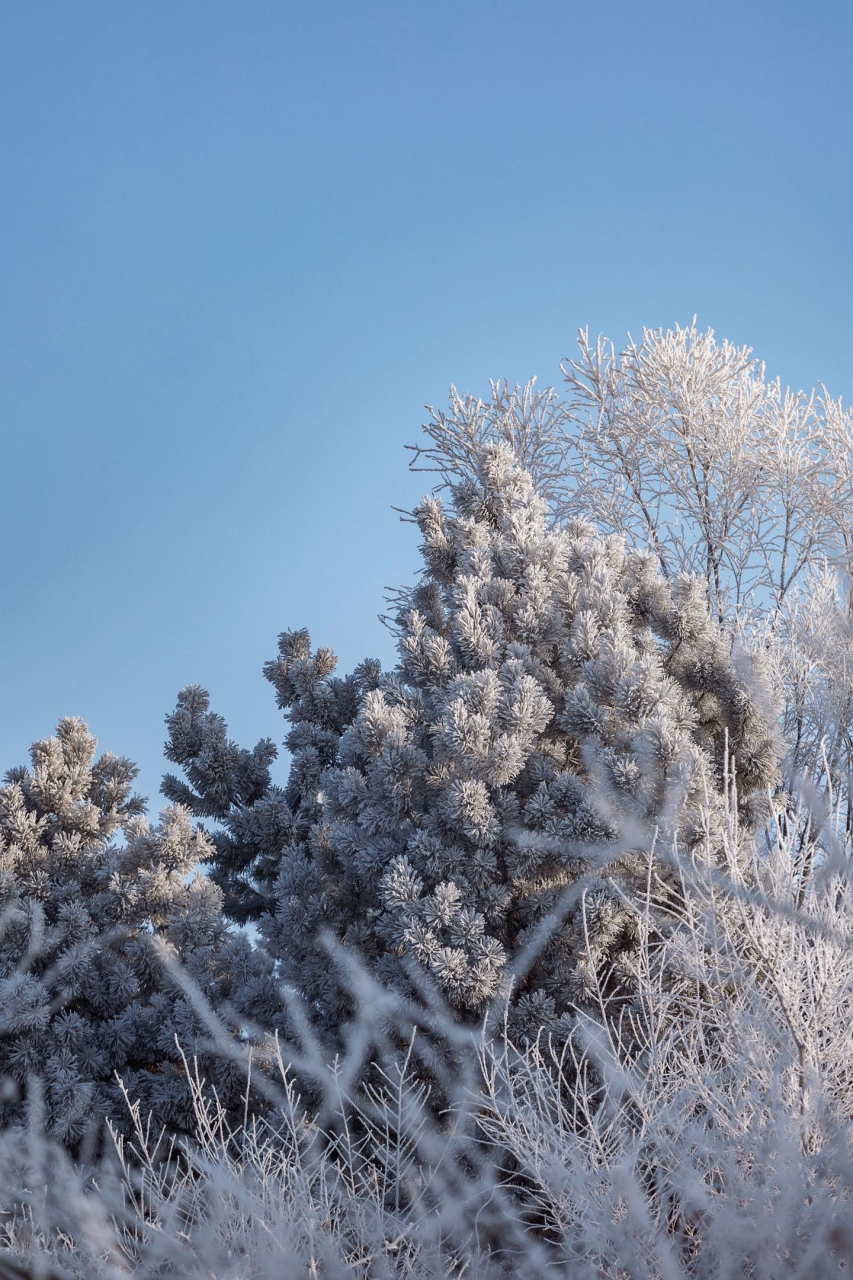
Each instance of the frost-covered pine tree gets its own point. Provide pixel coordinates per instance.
(268, 851)
(558, 712)
(105, 943)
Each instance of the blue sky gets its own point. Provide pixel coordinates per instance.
(243, 243)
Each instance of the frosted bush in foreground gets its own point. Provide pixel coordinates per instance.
(711, 1139)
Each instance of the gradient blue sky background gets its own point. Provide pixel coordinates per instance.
(243, 243)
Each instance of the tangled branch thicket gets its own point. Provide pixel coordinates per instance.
(706, 1134)
(553, 958)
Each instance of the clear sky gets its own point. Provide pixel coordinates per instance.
(243, 243)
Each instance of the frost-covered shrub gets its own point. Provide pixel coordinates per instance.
(712, 1143)
(108, 951)
(478, 814)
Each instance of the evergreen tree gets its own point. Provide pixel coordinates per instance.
(558, 713)
(98, 937)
